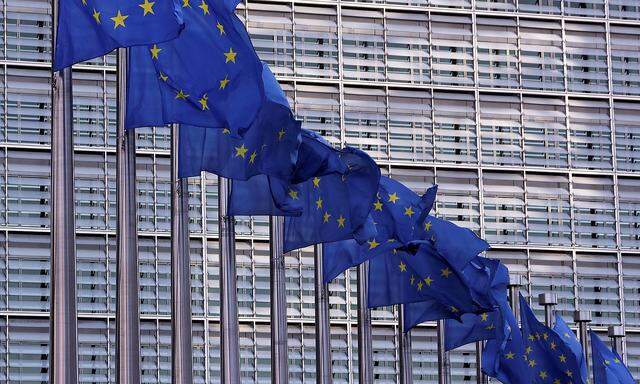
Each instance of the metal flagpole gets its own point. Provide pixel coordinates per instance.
(63, 330)
(443, 356)
(323, 336)
(548, 301)
(583, 318)
(481, 378)
(515, 282)
(127, 308)
(181, 349)
(279, 362)
(365, 348)
(229, 332)
(404, 345)
(616, 333)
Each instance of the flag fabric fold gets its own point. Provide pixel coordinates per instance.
(571, 341)
(88, 28)
(608, 367)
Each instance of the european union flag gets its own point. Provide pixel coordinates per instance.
(569, 338)
(209, 76)
(608, 367)
(397, 212)
(89, 28)
(505, 356)
(269, 147)
(548, 357)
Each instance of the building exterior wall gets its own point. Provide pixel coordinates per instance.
(526, 114)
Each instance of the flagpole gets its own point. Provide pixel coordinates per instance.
(583, 318)
(229, 332)
(404, 345)
(515, 282)
(443, 356)
(279, 362)
(323, 336)
(481, 378)
(616, 333)
(181, 348)
(63, 329)
(365, 348)
(127, 286)
(548, 301)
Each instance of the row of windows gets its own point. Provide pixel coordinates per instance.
(392, 124)
(593, 281)
(24, 350)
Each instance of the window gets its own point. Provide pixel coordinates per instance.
(363, 44)
(500, 130)
(549, 7)
(629, 212)
(631, 280)
(548, 209)
(407, 38)
(586, 55)
(625, 59)
(365, 120)
(624, 9)
(598, 289)
(497, 52)
(552, 272)
(504, 216)
(316, 41)
(590, 134)
(318, 107)
(458, 197)
(410, 125)
(541, 55)
(545, 132)
(454, 127)
(28, 106)
(593, 211)
(271, 32)
(452, 49)
(588, 8)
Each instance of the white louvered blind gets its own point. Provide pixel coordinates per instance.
(593, 211)
(629, 212)
(454, 127)
(385, 363)
(93, 350)
(586, 55)
(28, 344)
(28, 188)
(587, 8)
(452, 49)
(548, 209)
(271, 28)
(91, 274)
(213, 277)
(590, 134)
(631, 280)
(553, 272)
(633, 354)
(28, 272)
(463, 364)
(407, 41)
(627, 131)
(410, 125)
(340, 353)
(90, 191)
(424, 355)
(548, 7)
(497, 48)
(418, 180)
(504, 208)
(497, 5)
(318, 106)
(365, 120)
(598, 289)
(28, 106)
(625, 59)
(545, 132)
(624, 9)
(89, 114)
(514, 259)
(28, 29)
(500, 130)
(363, 44)
(458, 197)
(541, 54)
(316, 41)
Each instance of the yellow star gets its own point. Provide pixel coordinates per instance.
(281, 134)
(557, 381)
(489, 327)
(393, 197)
(377, 205)
(532, 363)
(372, 244)
(412, 280)
(224, 82)
(484, 316)
(420, 285)
(566, 334)
(340, 221)
(409, 211)
(427, 226)
(403, 267)
(569, 373)
(230, 56)
(205, 7)
(147, 7)
(454, 309)
(528, 350)
(509, 356)
(325, 217)
(445, 272)
(84, 2)
(607, 362)
(563, 358)
(616, 360)
(155, 51)
(252, 158)
(118, 20)
(293, 194)
(316, 182)
(220, 28)
(203, 102)
(96, 15)
(543, 374)
(241, 151)
(226, 131)
(532, 338)
(545, 335)
(181, 95)
(186, 4)
(163, 77)
(319, 203)
(428, 280)
(553, 345)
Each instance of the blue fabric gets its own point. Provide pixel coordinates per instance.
(504, 356)
(89, 28)
(608, 367)
(395, 222)
(548, 357)
(569, 338)
(209, 76)
(269, 146)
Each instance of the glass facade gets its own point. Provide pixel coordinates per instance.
(526, 113)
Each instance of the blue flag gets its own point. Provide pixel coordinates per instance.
(569, 338)
(89, 28)
(397, 212)
(269, 146)
(505, 356)
(548, 357)
(209, 76)
(460, 245)
(608, 367)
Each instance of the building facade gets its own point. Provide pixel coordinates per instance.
(526, 113)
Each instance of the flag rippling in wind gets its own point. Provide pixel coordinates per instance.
(209, 76)
(269, 146)
(608, 367)
(550, 360)
(571, 341)
(89, 28)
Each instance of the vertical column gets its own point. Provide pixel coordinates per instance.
(548, 301)
(323, 336)
(181, 348)
(481, 378)
(365, 349)
(515, 282)
(404, 344)
(229, 333)
(583, 318)
(443, 356)
(616, 334)
(63, 330)
(279, 363)
(127, 285)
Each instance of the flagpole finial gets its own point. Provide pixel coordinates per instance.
(582, 316)
(615, 331)
(546, 299)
